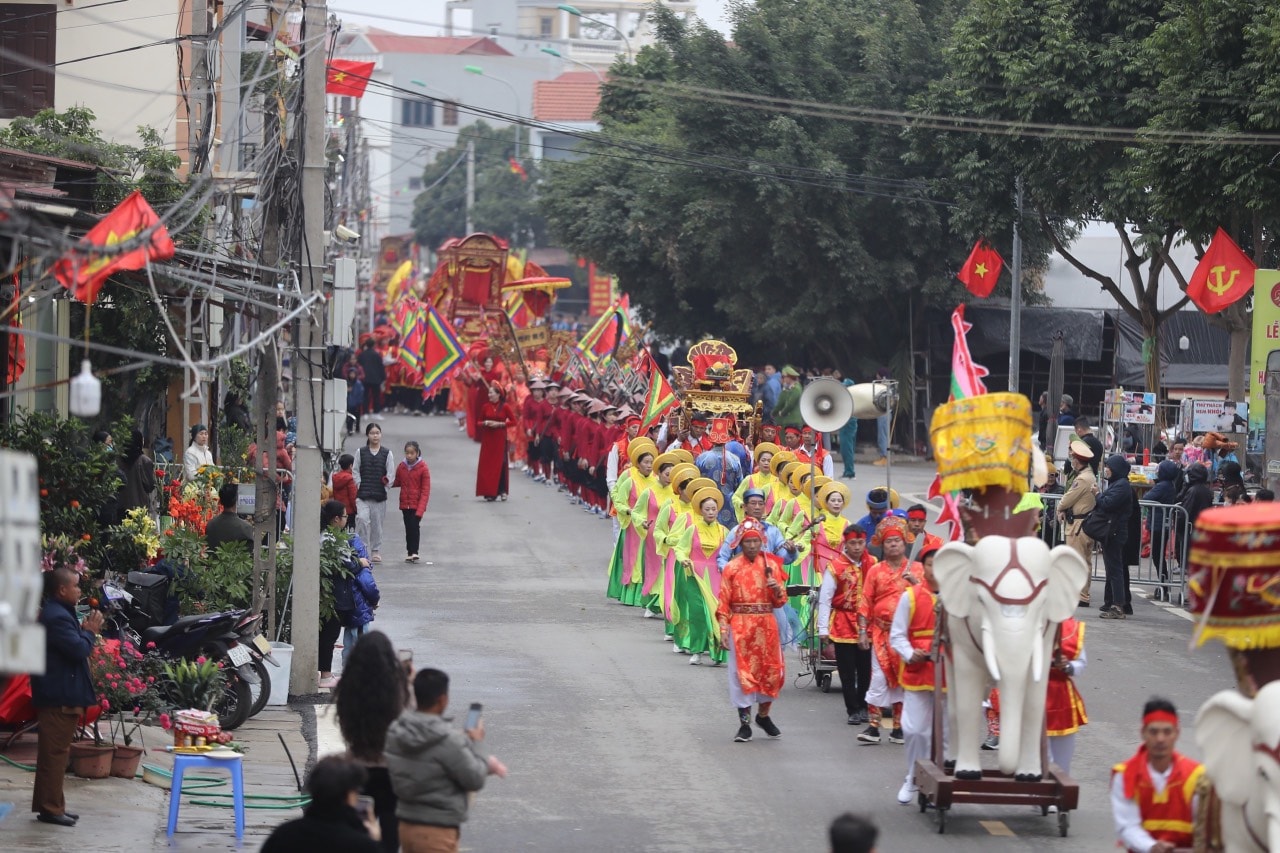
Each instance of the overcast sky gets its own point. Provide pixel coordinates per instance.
(430, 14)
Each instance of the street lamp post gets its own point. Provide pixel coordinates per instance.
(577, 13)
(551, 51)
(479, 72)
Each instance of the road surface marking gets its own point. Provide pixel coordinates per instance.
(996, 827)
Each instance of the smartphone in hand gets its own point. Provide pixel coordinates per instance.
(473, 717)
(364, 807)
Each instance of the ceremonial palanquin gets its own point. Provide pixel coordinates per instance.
(713, 383)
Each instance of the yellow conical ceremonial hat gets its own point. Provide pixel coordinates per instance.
(706, 492)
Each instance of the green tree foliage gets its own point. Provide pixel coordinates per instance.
(805, 235)
(506, 204)
(1217, 63)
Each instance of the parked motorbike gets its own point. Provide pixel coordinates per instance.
(211, 635)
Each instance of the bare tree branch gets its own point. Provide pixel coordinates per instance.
(1108, 284)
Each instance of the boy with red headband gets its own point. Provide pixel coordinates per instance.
(918, 540)
(886, 581)
(1153, 793)
(838, 602)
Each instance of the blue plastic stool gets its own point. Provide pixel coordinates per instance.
(183, 763)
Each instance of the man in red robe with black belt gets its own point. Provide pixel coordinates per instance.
(750, 588)
(838, 602)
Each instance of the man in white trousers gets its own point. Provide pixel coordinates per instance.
(915, 623)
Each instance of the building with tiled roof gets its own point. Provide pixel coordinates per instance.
(569, 102)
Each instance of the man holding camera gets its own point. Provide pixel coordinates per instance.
(434, 770)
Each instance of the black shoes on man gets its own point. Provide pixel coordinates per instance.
(64, 819)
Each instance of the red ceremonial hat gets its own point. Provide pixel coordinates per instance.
(892, 532)
(748, 529)
(719, 432)
(1234, 576)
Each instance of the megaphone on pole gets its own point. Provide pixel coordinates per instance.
(825, 406)
(872, 399)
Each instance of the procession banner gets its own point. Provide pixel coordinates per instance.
(1266, 339)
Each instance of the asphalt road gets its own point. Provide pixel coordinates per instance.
(615, 743)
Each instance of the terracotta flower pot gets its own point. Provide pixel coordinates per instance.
(91, 762)
(124, 763)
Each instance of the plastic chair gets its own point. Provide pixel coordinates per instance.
(234, 766)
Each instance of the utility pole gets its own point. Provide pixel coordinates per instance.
(1015, 301)
(308, 358)
(471, 182)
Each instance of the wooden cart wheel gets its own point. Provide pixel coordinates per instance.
(824, 682)
(1064, 823)
(942, 820)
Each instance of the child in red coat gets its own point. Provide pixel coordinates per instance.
(344, 487)
(414, 481)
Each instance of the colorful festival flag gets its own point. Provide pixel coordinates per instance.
(982, 269)
(517, 169)
(347, 77)
(411, 327)
(517, 310)
(1223, 276)
(441, 352)
(83, 272)
(966, 377)
(661, 397)
(608, 333)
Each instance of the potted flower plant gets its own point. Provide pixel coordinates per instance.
(193, 684)
(127, 691)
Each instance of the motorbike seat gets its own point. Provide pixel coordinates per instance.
(158, 632)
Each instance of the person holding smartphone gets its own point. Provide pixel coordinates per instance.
(434, 769)
(338, 818)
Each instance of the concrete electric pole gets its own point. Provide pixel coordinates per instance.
(308, 361)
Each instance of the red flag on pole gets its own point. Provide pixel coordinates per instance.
(83, 271)
(347, 77)
(1223, 276)
(982, 270)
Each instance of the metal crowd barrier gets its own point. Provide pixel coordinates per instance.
(1162, 566)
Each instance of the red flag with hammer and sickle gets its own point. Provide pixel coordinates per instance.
(1223, 276)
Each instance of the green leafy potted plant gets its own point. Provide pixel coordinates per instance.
(193, 684)
(126, 686)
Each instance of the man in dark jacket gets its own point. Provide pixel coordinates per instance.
(1165, 491)
(1116, 505)
(227, 526)
(63, 693)
(434, 769)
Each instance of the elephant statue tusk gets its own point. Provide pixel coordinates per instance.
(989, 649)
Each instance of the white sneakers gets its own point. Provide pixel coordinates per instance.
(695, 660)
(907, 792)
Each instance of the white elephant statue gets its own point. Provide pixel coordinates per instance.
(1004, 599)
(1240, 738)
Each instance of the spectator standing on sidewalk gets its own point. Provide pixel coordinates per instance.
(373, 693)
(1116, 504)
(375, 374)
(434, 769)
(228, 526)
(374, 470)
(413, 478)
(63, 693)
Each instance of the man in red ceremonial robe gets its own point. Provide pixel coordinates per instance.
(914, 624)
(838, 600)
(886, 582)
(492, 473)
(750, 589)
(918, 539)
(536, 412)
(1153, 798)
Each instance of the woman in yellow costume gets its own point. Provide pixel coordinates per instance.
(667, 529)
(760, 478)
(696, 631)
(626, 573)
(644, 515)
(786, 504)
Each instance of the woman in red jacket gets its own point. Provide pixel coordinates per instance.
(414, 481)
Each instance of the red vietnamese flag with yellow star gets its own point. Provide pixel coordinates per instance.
(1223, 276)
(981, 271)
(347, 77)
(83, 270)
